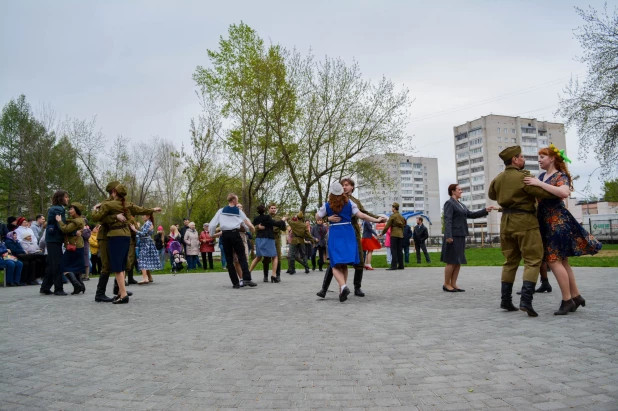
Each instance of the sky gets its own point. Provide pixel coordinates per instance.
(130, 63)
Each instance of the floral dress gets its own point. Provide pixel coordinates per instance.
(148, 258)
(562, 235)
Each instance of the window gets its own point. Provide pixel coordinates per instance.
(498, 130)
(474, 133)
(478, 187)
(476, 141)
(478, 197)
(514, 140)
(476, 169)
(505, 131)
(462, 172)
(478, 178)
(476, 150)
(499, 139)
(500, 148)
(462, 146)
(476, 160)
(461, 136)
(462, 163)
(464, 181)
(512, 131)
(416, 165)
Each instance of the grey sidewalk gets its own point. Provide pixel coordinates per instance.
(193, 342)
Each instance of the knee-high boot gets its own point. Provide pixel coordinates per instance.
(506, 301)
(525, 304)
(77, 287)
(328, 277)
(265, 264)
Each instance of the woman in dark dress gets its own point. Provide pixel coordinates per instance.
(265, 241)
(563, 236)
(455, 231)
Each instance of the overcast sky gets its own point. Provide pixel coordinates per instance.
(130, 62)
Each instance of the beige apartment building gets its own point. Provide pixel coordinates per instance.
(414, 184)
(477, 145)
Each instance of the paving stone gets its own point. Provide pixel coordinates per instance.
(191, 342)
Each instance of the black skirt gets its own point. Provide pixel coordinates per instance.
(455, 252)
(118, 252)
(73, 261)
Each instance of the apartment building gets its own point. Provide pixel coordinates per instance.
(413, 183)
(477, 145)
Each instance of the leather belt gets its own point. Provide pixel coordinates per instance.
(515, 211)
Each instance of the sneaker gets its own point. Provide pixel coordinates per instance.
(242, 284)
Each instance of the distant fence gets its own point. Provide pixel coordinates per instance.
(603, 230)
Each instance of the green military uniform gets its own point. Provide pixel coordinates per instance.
(300, 233)
(357, 230)
(102, 240)
(396, 223)
(132, 244)
(70, 229)
(519, 229)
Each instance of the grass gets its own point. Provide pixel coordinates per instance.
(608, 257)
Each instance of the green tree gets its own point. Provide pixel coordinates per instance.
(610, 190)
(591, 106)
(241, 77)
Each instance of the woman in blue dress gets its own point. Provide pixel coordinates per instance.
(562, 235)
(148, 257)
(342, 245)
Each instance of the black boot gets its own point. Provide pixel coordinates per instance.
(328, 277)
(506, 302)
(77, 287)
(358, 279)
(545, 286)
(525, 304)
(101, 287)
(279, 270)
(81, 282)
(265, 263)
(131, 280)
(579, 300)
(565, 307)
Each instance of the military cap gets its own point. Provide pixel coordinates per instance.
(396, 205)
(110, 186)
(510, 152)
(121, 190)
(77, 206)
(299, 215)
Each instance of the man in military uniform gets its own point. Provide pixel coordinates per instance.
(396, 222)
(519, 228)
(348, 188)
(102, 239)
(300, 233)
(272, 210)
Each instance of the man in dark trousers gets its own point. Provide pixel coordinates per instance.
(407, 238)
(420, 235)
(396, 222)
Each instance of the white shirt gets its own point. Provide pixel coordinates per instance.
(322, 211)
(227, 218)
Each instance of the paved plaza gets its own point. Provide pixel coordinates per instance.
(191, 342)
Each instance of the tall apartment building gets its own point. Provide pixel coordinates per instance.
(414, 184)
(477, 145)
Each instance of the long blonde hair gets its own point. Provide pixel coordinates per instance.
(174, 230)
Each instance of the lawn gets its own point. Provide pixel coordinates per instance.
(608, 257)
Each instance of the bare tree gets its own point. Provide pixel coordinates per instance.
(88, 143)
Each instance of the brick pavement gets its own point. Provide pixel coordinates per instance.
(191, 342)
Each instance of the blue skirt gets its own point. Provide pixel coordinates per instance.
(265, 247)
(73, 261)
(118, 252)
(342, 245)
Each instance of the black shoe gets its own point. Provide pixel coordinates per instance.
(321, 294)
(358, 292)
(131, 281)
(250, 284)
(266, 278)
(508, 305)
(273, 280)
(390, 269)
(77, 287)
(307, 270)
(525, 304)
(102, 299)
(579, 300)
(447, 290)
(321, 270)
(60, 292)
(86, 279)
(236, 286)
(459, 290)
(123, 300)
(21, 284)
(545, 286)
(565, 307)
(344, 294)
(12, 285)
(292, 272)
(312, 268)
(46, 292)
(32, 283)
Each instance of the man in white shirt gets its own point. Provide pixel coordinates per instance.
(230, 219)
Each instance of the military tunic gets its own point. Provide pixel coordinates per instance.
(357, 230)
(396, 223)
(519, 228)
(300, 233)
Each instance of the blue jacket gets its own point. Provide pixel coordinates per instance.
(14, 246)
(53, 233)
